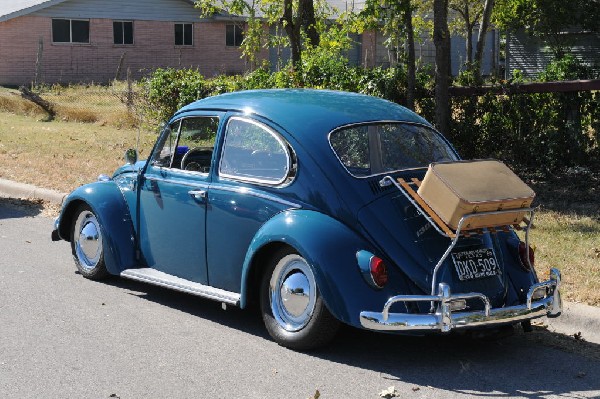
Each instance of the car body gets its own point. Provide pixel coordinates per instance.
(278, 197)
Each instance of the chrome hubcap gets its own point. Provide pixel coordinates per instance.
(293, 293)
(88, 240)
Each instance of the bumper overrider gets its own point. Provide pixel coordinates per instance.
(543, 299)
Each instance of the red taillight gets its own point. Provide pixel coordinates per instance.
(378, 271)
(523, 255)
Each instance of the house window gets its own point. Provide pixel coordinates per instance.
(70, 31)
(123, 32)
(234, 35)
(183, 35)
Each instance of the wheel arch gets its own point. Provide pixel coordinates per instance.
(330, 249)
(109, 206)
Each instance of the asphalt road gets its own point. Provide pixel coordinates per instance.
(62, 336)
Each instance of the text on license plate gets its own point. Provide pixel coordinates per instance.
(475, 263)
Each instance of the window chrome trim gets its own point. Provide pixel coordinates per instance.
(194, 184)
(380, 122)
(282, 142)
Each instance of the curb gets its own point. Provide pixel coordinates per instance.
(13, 189)
(576, 318)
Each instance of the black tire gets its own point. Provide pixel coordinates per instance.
(87, 244)
(305, 323)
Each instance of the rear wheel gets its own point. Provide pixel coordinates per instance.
(87, 244)
(291, 304)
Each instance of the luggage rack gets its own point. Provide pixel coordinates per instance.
(406, 188)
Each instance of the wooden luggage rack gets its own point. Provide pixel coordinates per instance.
(406, 188)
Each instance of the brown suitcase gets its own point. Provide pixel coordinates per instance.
(454, 189)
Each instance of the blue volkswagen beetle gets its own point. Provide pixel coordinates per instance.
(289, 199)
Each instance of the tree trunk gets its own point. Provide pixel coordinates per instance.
(441, 39)
(483, 27)
(309, 22)
(469, 44)
(410, 56)
(292, 29)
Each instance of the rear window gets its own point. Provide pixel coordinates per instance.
(376, 148)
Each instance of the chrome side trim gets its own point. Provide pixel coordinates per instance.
(155, 277)
(444, 320)
(246, 191)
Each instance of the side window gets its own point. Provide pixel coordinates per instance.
(254, 152)
(188, 145)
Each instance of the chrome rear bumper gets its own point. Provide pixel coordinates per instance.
(543, 299)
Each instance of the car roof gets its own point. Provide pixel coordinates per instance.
(307, 112)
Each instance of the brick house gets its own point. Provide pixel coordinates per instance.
(74, 41)
(63, 41)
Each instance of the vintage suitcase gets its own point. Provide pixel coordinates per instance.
(453, 189)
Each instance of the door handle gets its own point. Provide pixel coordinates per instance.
(199, 195)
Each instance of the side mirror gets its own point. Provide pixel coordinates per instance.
(131, 156)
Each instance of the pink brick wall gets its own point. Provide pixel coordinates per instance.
(98, 61)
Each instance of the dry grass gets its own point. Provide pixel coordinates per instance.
(571, 243)
(87, 104)
(63, 155)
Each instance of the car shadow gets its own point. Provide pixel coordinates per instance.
(14, 208)
(530, 365)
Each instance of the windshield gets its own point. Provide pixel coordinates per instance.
(376, 148)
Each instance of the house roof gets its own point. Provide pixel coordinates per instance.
(16, 8)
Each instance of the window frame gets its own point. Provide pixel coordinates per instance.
(290, 167)
(236, 28)
(71, 30)
(377, 122)
(183, 37)
(123, 22)
(178, 123)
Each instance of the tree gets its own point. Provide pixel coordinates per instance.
(441, 40)
(298, 18)
(395, 20)
(473, 12)
(548, 19)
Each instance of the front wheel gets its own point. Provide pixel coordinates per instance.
(291, 304)
(87, 244)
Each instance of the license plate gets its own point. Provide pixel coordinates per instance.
(475, 263)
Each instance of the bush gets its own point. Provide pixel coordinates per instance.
(167, 90)
(545, 131)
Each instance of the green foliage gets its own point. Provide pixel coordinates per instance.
(544, 132)
(548, 19)
(169, 89)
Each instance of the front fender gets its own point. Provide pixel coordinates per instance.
(110, 208)
(330, 248)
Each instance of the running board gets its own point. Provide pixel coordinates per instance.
(153, 276)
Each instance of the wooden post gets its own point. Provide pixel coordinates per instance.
(38, 62)
(120, 65)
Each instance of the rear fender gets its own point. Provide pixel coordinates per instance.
(110, 208)
(331, 250)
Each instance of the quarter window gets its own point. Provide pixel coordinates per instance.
(183, 34)
(234, 35)
(123, 32)
(254, 152)
(70, 31)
